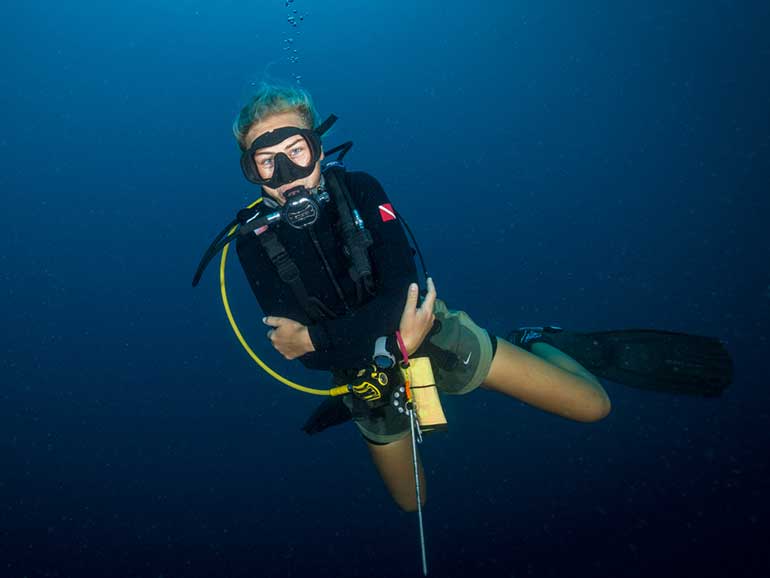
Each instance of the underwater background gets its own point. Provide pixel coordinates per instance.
(598, 165)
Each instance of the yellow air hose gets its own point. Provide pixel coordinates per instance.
(223, 290)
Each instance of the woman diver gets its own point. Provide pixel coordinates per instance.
(336, 278)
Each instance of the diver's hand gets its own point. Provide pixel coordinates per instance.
(416, 322)
(289, 337)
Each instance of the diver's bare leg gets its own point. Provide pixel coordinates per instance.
(394, 462)
(548, 379)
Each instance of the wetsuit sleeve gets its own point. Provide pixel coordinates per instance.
(349, 340)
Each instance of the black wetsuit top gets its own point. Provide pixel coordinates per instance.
(346, 341)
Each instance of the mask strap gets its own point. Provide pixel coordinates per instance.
(323, 128)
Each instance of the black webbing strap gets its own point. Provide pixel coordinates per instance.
(289, 273)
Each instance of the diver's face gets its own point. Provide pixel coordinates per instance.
(295, 147)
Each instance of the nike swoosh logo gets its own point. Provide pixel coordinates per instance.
(467, 359)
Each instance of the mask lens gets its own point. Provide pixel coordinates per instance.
(294, 149)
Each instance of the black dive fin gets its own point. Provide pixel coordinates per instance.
(332, 411)
(647, 359)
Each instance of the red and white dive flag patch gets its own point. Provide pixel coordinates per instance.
(387, 213)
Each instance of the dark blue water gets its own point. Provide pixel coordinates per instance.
(596, 164)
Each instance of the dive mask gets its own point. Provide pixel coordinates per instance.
(284, 169)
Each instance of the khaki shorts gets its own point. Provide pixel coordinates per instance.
(458, 334)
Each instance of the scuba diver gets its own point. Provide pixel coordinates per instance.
(328, 259)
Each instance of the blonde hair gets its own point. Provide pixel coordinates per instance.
(273, 99)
